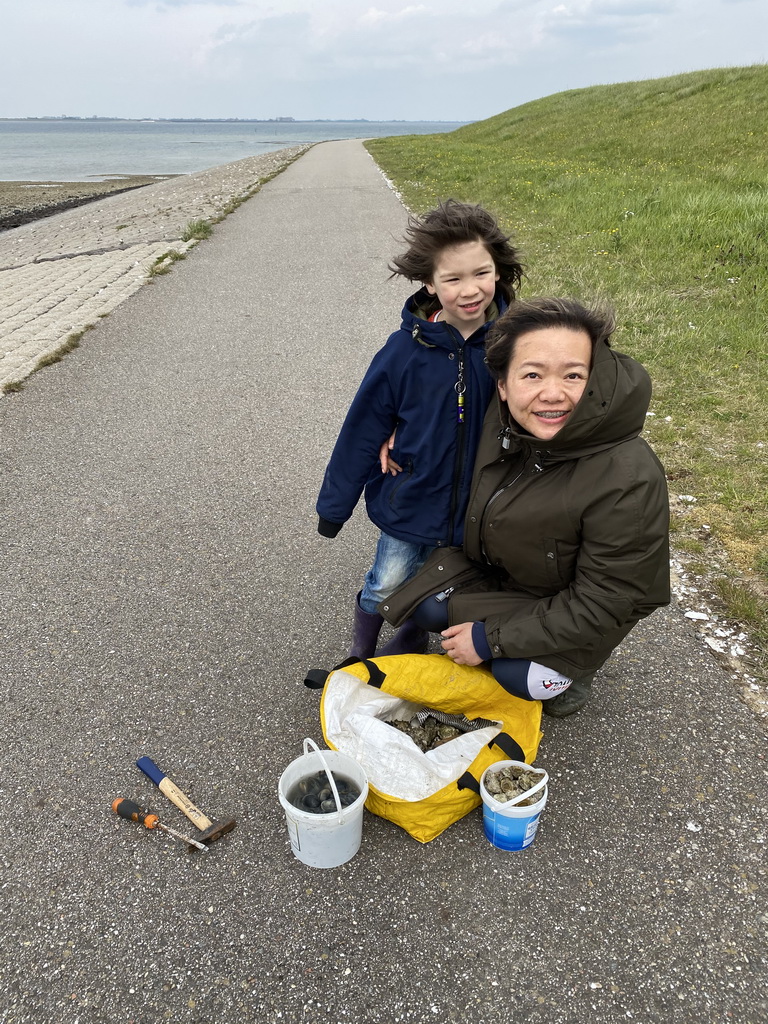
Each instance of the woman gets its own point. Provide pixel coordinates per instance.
(566, 533)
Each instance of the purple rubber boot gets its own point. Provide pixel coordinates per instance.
(409, 639)
(365, 632)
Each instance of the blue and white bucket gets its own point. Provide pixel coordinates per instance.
(508, 826)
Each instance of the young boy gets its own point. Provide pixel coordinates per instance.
(430, 387)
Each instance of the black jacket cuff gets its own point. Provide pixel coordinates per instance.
(326, 528)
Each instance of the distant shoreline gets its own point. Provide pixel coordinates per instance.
(56, 163)
(231, 120)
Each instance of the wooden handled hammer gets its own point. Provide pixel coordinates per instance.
(211, 831)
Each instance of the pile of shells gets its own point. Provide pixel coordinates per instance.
(314, 794)
(427, 734)
(507, 783)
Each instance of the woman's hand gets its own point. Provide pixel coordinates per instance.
(387, 464)
(457, 644)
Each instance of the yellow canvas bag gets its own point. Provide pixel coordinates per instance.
(423, 793)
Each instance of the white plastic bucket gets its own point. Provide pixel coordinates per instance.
(507, 825)
(324, 840)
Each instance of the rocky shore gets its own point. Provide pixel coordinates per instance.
(25, 201)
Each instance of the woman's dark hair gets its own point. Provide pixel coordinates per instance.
(538, 315)
(453, 223)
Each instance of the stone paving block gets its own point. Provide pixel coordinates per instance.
(59, 275)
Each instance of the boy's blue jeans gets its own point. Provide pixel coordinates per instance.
(395, 562)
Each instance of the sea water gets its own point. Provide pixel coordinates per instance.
(73, 150)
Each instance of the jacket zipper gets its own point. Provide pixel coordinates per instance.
(538, 467)
(460, 388)
(488, 504)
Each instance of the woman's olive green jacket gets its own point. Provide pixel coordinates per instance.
(566, 540)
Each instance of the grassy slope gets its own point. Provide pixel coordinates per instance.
(652, 195)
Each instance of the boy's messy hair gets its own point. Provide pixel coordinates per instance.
(453, 223)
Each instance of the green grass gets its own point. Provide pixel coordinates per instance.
(197, 230)
(652, 196)
(70, 343)
(163, 264)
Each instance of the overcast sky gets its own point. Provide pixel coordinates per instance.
(453, 60)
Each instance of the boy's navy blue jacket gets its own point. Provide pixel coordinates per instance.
(411, 385)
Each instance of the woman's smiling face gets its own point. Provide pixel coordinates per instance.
(545, 378)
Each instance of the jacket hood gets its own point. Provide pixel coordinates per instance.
(420, 307)
(612, 409)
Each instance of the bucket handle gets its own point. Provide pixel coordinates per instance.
(529, 792)
(311, 743)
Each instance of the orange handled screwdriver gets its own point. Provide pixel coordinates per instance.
(130, 810)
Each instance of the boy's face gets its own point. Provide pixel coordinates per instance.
(464, 282)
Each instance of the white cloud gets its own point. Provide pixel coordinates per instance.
(341, 58)
(376, 16)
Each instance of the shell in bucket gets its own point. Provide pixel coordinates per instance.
(324, 840)
(510, 826)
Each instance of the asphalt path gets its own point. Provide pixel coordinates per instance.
(163, 590)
